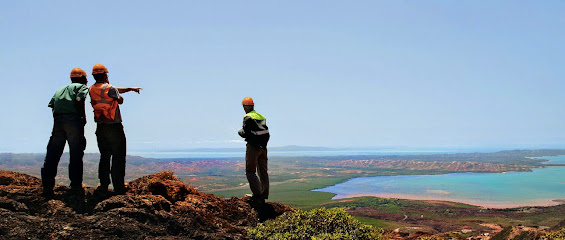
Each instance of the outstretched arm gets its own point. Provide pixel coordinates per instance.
(128, 89)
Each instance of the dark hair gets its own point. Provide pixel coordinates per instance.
(78, 79)
(99, 76)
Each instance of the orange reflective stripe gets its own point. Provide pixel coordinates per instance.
(104, 90)
(102, 97)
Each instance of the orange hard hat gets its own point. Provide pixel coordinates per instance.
(99, 68)
(247, 101)
(77, 72)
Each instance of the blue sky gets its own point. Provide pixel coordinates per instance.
(324, 73)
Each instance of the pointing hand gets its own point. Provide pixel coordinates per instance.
(136, 89)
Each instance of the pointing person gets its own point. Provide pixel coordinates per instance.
(105, 100)
(68, 126)
(256, 133)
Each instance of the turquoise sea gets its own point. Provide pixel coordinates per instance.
(541, 187)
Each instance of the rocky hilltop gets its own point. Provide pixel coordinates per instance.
(158, 206)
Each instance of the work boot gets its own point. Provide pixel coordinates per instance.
(120, 190)
(48, 193)
(77, 189)
(259, 199)
(102, 187)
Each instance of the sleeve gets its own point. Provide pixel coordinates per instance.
(246, 129)
(82, 93)
(51, 102)
(113, 93)
(79, 106)
(241, 133)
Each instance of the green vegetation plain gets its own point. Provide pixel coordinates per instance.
(297, 193)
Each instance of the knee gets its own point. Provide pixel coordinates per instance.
(250, 174)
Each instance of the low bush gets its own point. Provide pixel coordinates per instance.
(317, 224)
(555, 235)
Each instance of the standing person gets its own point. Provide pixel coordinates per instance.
(105, 100)
(256, 133)
(68, 126)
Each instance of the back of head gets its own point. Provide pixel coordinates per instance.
(81, 80)
(248, 109)
(100, 77)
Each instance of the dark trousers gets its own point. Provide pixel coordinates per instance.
(66, 128)
(112, 145)
(256, 162)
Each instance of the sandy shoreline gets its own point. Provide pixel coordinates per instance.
(483, 204)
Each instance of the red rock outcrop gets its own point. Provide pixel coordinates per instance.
(157, 206)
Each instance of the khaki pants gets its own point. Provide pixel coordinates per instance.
(256, 162)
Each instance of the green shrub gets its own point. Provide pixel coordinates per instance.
(317, 224)
(555, 235)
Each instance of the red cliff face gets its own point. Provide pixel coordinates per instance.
(155, 206)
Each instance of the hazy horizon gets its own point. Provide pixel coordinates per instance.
(320, 151)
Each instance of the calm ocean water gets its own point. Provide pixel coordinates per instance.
(540, 187)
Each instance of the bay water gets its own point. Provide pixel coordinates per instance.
(540, 187)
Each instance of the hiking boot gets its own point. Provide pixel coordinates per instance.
(255, 198)
(48, 193)
(121, 190)
(102, 187)
(77, 189)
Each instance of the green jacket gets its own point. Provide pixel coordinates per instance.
(69, 99)
(255, 130)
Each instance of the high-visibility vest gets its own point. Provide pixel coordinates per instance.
(104, 106)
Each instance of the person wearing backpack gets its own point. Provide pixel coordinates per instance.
(105, 100)
(68, 127)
